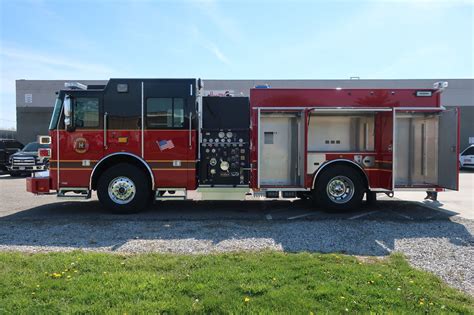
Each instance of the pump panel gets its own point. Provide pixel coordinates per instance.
(225, 142)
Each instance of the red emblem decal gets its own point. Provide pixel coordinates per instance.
(81, 145)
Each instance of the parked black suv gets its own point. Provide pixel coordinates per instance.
(7, 148)
(27, 161)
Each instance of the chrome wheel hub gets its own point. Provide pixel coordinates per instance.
(340, 189)
(122, 190)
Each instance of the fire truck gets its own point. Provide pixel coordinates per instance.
(139, 140)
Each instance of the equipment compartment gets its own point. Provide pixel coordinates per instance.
(281, 139)
(425, 151)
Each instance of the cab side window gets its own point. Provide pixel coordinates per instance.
(86, 112)
(163, 113)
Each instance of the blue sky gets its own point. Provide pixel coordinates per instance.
(85, 39)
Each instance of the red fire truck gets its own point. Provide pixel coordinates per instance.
(138, 140)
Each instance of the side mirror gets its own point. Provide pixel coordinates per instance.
(67, 112)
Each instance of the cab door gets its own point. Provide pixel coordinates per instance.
(81, 144)
(170, 136)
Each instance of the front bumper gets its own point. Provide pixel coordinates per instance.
(29, 168)
(38, 185)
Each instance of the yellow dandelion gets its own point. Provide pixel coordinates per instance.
(431, 303)
(33, 293)
(421, 302)
(69, 277)
(247, 299)
(37, 285)
(411, 281)
(399, 289)
(274, 279)
(75, 270)
(105, 272)
(342, 297)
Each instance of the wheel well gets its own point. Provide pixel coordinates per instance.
(349, 163)
(115, 159)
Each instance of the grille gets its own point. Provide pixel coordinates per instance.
(23, 161)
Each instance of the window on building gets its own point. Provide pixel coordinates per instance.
(86, 112)
(165, 113)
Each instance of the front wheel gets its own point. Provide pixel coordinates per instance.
(339, 188)
(123, 189)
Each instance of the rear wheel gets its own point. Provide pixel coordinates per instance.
(124, 188)
(339, 188)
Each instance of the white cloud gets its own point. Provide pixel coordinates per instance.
(209, 45)
(19, 63)
(35, 58)
(223, 20)
(217, 52)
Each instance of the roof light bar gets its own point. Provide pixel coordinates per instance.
(75, 85)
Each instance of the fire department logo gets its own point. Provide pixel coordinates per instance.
(81, 145)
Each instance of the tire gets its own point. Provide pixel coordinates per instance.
(124, 189)
(339, 188)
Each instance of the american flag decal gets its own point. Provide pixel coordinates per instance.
(165, 144)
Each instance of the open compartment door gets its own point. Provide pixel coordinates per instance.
(426, 149)
(448, 149)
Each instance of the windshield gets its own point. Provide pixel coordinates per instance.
(34, 146)
(57, 109)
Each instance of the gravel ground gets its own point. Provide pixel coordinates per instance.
(444, 247)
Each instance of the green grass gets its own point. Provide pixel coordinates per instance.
(225, 283)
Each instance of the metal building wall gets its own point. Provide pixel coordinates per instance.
(35, 98)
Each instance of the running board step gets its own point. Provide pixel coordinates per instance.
(171, 194)
(75, 193)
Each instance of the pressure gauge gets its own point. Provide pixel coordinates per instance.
(211, 140)
(241, 140)
(224, 165)
(217, 140)
(213, 171)
(213, 162)
(221, 134)
(229, 134)
(229, 140)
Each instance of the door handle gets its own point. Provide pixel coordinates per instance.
(190, 130)
(105, 130)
